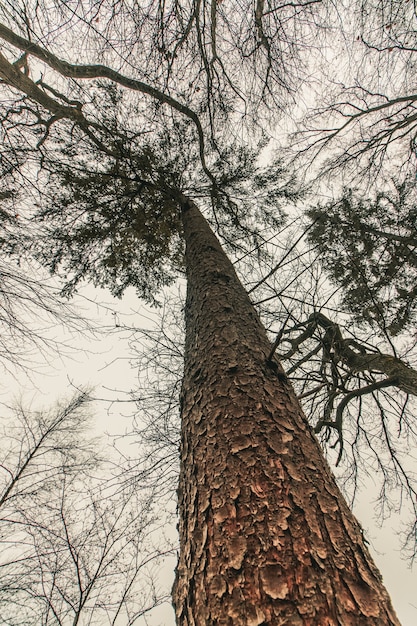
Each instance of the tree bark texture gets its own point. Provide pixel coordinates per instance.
(265, 534)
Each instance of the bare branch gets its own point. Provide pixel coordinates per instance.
(17, 79)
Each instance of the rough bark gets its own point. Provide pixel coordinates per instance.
(265, 535)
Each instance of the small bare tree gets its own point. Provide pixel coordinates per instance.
(76, 532)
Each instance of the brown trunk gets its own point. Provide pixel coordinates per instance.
(265, 535)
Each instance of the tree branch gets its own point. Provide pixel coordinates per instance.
(70, 70)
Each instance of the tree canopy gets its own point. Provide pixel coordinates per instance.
(370, 246)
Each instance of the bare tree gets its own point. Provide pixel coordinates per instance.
(182, 54)
(364, 123)
(77, 533)
(30, 302)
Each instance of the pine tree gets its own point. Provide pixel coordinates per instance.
(265, 535)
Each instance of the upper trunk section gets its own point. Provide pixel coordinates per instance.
(265, 535)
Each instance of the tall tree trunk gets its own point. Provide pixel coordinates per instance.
(265, 534)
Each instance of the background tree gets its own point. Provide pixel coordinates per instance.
(77, 532)
(29, 305)
(357, 386)
(363, 124)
